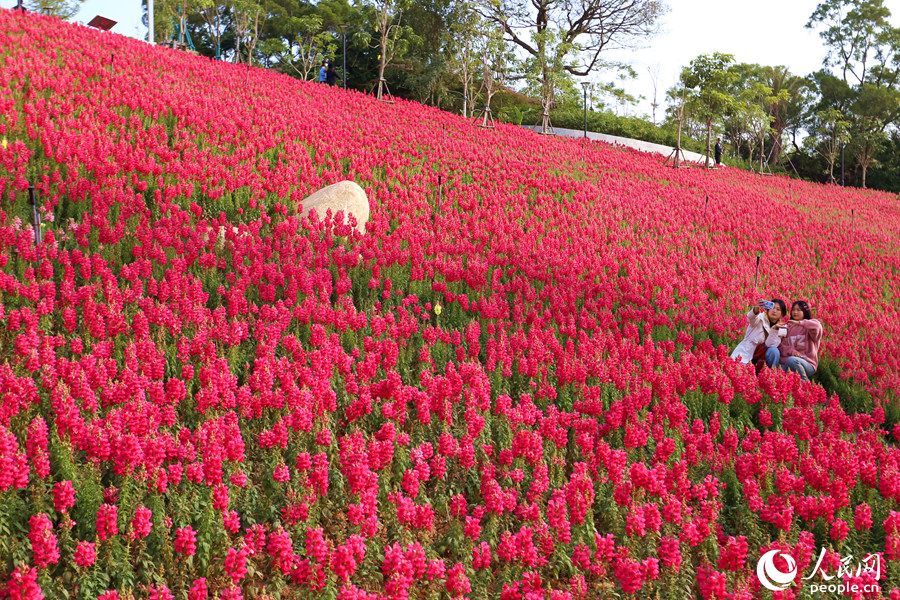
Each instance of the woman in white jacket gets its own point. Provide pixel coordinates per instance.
(760, 319)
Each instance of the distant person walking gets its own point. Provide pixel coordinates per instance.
(718, 151)
(323, 72)
(330, 74)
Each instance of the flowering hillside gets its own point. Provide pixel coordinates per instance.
(515, 385)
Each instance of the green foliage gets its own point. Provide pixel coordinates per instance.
(64, 9)
(853, 396)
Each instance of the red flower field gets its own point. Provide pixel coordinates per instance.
(514, 385)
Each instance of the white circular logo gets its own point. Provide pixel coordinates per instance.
(770, 576)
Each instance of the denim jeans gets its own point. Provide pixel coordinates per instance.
(773, 357)
(800, 366)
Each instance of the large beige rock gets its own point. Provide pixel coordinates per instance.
(344, 195)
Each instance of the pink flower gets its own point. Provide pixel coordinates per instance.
(862, 517)
(63, 496)
(160, 592)
(185, 541)
(670, 553)
(236, 564)
(839, 530)
(107, 521)
(457, 582)
(142, 523)
(85, 554)
(23, 584)
(44, 548)
(281, 473)
(892, 536)
(36, 445)
(199, 590)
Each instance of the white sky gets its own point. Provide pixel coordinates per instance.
(769, 32)
(126, 12)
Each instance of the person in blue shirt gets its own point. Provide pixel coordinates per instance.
(323, 72)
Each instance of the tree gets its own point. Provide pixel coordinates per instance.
(307, 50)
(353, 21)
(496, 63)
(64, 9)
(565, 37)
(247, 19)
(830, 130)
(873, 109)
(857, 33)
(462, 49)
(391, 42)
(785, 105)
(213, 15)
(865, 47)
(654, 83)
(168, 16)
(426, 70)
(707, 81)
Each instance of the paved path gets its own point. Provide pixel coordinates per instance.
(621, 141)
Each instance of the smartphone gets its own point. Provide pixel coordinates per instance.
(768, 304)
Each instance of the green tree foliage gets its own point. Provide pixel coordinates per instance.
(708, 82)
(857, 34)
(564, 39)
(64, 9)
(786, 106)
(865, 48)
(828, 132)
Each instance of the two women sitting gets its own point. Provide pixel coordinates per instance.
(792, 345)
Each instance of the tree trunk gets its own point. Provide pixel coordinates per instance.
(383, 62)
(677, 162)
(547, 89)
(238, 33)
(865, 157)
(254, 38)
(708, 140)
(762, 151)
(465, 78)
(776, 145)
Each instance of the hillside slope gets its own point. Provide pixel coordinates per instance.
(515, 380)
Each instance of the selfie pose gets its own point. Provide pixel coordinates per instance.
(760, 320)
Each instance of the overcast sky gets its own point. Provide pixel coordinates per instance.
(769, 32)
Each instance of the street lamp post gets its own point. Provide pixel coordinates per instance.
(584, 85)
